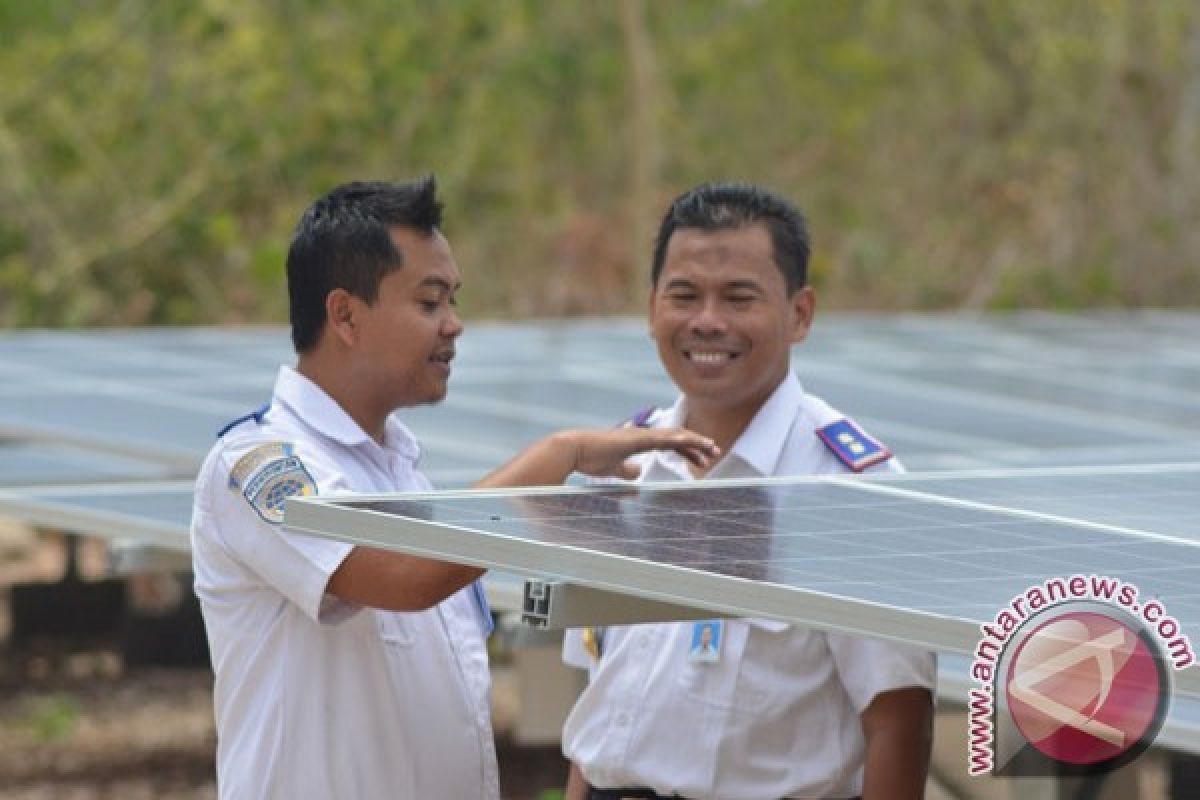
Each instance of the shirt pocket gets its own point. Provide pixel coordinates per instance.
(394, 629)
(711, 685)
(746, 681)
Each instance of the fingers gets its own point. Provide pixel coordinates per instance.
(605, 452)
(628, 471)
(702, 458)
(699, 450)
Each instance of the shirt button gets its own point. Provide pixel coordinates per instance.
(622, 720)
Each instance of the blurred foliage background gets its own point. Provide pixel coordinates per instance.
(949, 153)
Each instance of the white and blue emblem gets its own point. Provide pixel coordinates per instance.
(853, 446)
(268, 475)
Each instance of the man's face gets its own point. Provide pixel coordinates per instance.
(723, 320)
(407, 335)
(706, 635)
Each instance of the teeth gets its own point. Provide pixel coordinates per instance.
(709, 358)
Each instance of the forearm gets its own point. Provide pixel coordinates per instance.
(577, 787)
(547, 462)
(898, 727)
(396, 581)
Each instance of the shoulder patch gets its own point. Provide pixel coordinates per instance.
(268, 475)
(853, 446)
(641, 419)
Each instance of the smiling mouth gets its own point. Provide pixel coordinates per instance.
(444, 357)
(709, 358)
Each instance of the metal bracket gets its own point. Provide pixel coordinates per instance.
(555, 605)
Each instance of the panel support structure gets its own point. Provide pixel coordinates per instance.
(555, 605)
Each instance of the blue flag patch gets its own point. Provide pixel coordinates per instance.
(853, 446)
(268, 475)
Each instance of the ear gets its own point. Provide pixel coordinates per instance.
(650, 308)
(804, 306)
(341, 316)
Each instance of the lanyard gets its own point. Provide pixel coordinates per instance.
(485, 610)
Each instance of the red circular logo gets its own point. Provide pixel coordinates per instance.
(1084, 688)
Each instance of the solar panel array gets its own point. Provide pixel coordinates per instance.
(101, 431)
(944, 391)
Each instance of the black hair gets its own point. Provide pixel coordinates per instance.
(723, 206)
(343, 241)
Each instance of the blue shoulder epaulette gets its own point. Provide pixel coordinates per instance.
(642, 418)
(853, 446)
(257, 416)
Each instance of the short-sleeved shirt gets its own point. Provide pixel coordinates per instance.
(778, 713)
(315, 697)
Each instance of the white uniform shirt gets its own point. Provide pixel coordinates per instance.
(314, 697)
(778, 714)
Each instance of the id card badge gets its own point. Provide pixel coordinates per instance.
(706, 641)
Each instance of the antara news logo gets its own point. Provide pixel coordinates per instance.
(1074, 678)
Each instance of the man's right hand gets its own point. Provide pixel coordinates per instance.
(598, 453)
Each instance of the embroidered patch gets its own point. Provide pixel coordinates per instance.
(854, 447)
(268, 475)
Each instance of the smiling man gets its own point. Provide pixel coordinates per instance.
(346, 671)
(769, 711)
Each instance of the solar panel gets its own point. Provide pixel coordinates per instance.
(945, 391)
(1162, 499)
(149, 523)
(29, 464)
(156, 513)
(881, 557)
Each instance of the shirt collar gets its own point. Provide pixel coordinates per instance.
(313, 406)
(759, 447)
(761, 444)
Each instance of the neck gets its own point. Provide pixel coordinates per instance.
(335, 380)
(722, 425)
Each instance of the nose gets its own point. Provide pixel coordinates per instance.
(708, 320)
(452, 326)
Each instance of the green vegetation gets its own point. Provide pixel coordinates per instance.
(51, 717)
(973, 154)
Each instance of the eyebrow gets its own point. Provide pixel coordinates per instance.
(440, 283)
(737, 285)
(678, 283)
(743, 284)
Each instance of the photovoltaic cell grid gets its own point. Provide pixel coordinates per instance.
(1163, 500)
(913, 560)
(153, 512)
(32, 464)
(943, 391)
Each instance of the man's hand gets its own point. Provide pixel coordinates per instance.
(597, 452)
(606, 452)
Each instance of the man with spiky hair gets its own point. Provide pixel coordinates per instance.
(767, 710)
(346, 671)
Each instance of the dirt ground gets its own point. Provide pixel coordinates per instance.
(77, 724)
(89, 730)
